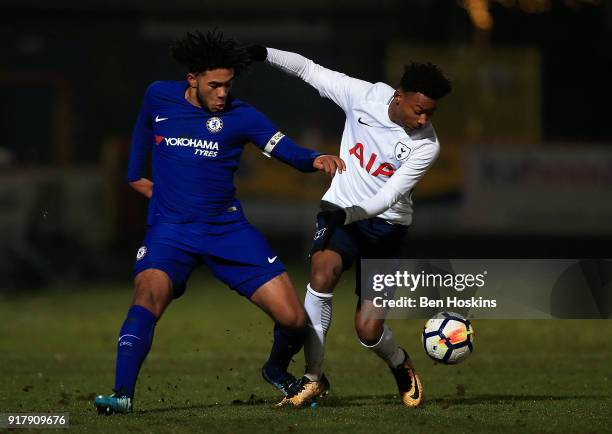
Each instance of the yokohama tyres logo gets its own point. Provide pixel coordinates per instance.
(201, 147)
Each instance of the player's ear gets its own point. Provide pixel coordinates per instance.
(397, 96)
(192, 80)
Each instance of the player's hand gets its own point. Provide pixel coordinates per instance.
(333, 219)
(257, 53)
(329, 164)
(143, 186)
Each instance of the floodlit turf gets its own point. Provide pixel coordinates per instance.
(57, 351)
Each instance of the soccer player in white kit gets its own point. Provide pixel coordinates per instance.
(388, 144)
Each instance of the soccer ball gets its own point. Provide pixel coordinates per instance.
(448, 338)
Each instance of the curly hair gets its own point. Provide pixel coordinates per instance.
(203, 52)
(425, 78)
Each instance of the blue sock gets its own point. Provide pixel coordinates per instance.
(135, 340)
(287, 343)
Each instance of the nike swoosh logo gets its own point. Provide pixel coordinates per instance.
(416, 393)
(158, 119)
(363, 123)
(271, 260)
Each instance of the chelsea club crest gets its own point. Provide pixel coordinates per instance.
(214, 124)
(141, 253)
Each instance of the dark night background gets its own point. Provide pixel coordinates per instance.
(534, 81)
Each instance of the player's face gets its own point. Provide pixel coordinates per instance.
(411, 110)
(211, 88)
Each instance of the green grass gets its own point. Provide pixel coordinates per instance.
(57, 351)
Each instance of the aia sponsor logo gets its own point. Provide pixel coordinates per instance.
(371, 165)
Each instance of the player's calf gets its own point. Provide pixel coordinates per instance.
(318, 306)
(408, 382)
(134, 343)
(287, 343)
(278, 299)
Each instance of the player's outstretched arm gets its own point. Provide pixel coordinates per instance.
(338, 87)
(273, 143)
(303, 159)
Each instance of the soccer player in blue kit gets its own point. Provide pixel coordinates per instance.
(196, 131)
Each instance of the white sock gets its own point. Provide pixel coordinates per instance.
(387, 349)
(318, 307)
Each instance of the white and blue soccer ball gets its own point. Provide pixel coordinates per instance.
(448, 338)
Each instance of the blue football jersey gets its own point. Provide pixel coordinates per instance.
(195, 153)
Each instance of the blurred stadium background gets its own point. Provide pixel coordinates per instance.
(526, 162)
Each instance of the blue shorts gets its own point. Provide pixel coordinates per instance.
(234, 251)
(373, 238)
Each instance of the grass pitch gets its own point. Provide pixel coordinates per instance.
(57, 351)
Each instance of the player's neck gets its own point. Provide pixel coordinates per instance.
(391, 115)
(191, 97)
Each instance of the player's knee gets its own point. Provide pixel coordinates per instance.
(153, 291)
(369, 332)
(293, 319)
(324, 279)
(299, 319)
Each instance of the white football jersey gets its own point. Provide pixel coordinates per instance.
(383, 161)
